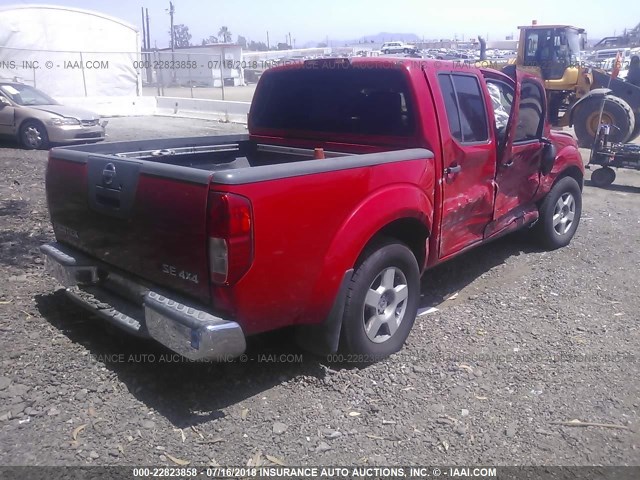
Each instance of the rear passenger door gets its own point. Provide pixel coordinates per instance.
(468, 160)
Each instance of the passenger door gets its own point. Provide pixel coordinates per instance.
(7, 113)
(518, 169)
(468, 161)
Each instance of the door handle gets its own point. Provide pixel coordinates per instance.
(453, 169)
(508, 164)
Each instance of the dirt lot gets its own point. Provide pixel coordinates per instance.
(532, 338)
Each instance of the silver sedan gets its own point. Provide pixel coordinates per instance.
(37, 120)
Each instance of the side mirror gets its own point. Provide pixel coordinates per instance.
(4, 102)
(549, 153)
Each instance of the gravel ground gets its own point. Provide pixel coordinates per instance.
(521, 339)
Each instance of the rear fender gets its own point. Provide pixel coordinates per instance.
(381, 208)
(378, 210)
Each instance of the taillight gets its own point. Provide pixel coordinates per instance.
(230, 232)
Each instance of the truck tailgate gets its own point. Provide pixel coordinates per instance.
(146, 219)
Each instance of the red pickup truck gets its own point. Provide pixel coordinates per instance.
(356, 176)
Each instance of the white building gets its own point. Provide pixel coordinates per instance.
(69, 52)
(199, 66)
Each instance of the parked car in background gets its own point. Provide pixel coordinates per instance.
(397, 47)
(36, 120)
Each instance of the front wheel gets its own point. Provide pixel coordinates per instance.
(382, 303)
(560, 214)
(33, 136)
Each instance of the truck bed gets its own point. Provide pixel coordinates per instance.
(204, 153)
(143, 206)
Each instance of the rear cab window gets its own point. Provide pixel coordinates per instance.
(341, 100)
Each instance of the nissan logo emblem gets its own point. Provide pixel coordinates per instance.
(108, 174)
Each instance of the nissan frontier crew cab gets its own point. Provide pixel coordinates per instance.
(356, 177)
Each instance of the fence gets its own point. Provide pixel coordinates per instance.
(119, 74)
(211, 72)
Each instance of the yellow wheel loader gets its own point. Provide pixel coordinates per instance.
(577, 93)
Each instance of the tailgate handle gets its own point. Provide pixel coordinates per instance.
(108, 197)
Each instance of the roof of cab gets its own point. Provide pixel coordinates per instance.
(385, 62)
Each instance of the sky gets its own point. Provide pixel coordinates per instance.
(351, 19)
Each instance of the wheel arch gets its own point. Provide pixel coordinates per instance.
(26, 120)
(573, 172)
(408, 230)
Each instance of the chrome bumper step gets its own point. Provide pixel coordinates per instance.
(186, 329)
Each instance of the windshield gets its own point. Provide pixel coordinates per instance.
(547, 47)
(26, 95)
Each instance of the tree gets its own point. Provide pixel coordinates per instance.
(257, 46)
(322, 45)
(211, 40)
(242, 41)
(181, 35)
(284, 46)
(225, 34)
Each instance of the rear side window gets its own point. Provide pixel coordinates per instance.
(451, 104)
(465, 107)
(336, 99)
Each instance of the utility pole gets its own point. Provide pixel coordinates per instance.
(148, 31)
(173, 41)
(144, 31)
(146, 42)
(290, 45)
(172, 10)
(268, 46)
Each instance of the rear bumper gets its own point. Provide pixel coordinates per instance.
(138, 309)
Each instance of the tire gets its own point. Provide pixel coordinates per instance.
(33, 135)
(559, 214)
(636, 131)
(603, 177)
(616, 112)
(381, 304)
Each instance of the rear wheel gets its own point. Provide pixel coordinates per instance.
(615, 112)
(382, 303)
(33, 135)
(560, 214)
(603, 177)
